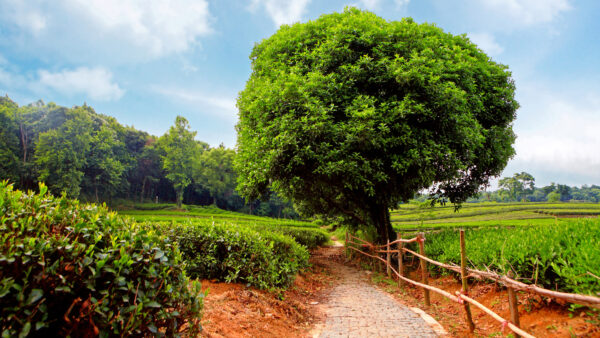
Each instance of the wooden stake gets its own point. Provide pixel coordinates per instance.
(388, 259)
(348, 253)
(424, 277)
(400, 261)
(513, 304)
(463, 275)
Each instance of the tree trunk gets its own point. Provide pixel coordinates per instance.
(143, 188)
(179, 198)
(380, 215)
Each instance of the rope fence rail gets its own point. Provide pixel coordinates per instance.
(512, 285)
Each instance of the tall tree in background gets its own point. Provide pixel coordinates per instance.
(61, 154)
(215, 172)
(104, 169)
(350, 114)
(518, 186)
(9, 141)
(179, 152)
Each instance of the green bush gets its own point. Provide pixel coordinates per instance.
(78, 270)
(309, 237)
(234, 253)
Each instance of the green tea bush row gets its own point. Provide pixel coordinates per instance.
(235, 253)
(68, 269)
(309, 237)
(559, 255)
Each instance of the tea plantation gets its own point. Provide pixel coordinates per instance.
(531, 239)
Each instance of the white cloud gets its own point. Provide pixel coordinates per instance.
(222, 106)
(401, 3)
(23, 15)
(370, 4)
(527, 12)
(95, 83)
(162, 27)
(143, 29)
(558, 138)
(282, 11)
(486, 42)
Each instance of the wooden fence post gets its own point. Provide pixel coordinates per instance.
(346, 250)
(463, 275)
(513, 304)
(400, 261)
(388, 259)
(424, 277)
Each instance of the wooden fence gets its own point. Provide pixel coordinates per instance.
(374, 251)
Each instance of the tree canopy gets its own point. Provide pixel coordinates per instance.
(518, 186)
(351, 114)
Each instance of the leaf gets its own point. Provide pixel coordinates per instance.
(34, 296)
(153, 304)
(25, 331)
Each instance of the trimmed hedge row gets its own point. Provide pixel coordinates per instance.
(309, 237)
(236, 253)
(68, 269)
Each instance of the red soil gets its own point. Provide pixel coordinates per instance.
(234, 310)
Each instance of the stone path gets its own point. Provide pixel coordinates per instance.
(355, 308)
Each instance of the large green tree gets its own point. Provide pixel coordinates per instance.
(61, 153)
(518, 186)
(179, 152)
(350, 114)
(9, 141)
(215, 172)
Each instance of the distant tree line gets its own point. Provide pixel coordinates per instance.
(521, 187)
(92, 157)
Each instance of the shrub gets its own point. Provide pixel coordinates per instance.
(234, 253)
(78, 270)
(309, 237)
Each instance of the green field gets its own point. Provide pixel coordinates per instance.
(169, 213)
(422, 216)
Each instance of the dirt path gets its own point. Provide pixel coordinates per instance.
(355, 308)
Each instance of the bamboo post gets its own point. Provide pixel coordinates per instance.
(424, 277)
(463, 275)
(400, 261)
(513, 304)
(388, 260)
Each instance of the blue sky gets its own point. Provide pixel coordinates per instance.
(146, 61)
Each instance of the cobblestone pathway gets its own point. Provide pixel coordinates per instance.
(355, 308)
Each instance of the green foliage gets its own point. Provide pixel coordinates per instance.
(489, 214)
(9, 141)
(309, 237)
(69, 269)
(60, 154)
(215, 172)
(236, 253)
(179, 151)
(553, 196)
(350, 114)
(518, 185)
(558, 255)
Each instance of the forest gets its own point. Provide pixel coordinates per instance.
(92, 157)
